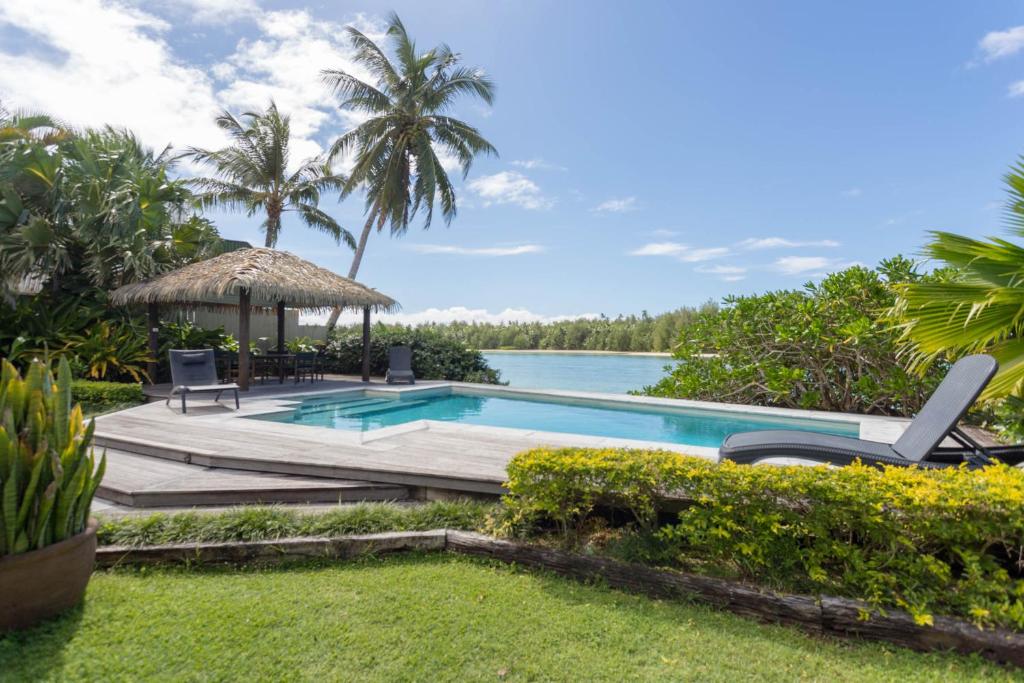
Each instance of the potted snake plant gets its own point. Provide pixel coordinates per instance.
(48, 476)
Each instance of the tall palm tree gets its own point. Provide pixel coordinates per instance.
(252, 175)
(396, 161)
(980, 306)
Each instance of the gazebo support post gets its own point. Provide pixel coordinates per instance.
(243, 339)
(366, 343)
(153, 333)
(280, 327)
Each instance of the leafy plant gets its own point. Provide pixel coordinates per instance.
(927, 541)
(110, 351)
(407, 121)
(977, 308)
(48, 472)
(301, 345)
(434, 355)
(823, 347)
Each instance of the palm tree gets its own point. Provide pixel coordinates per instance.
(396, 161)
(252, 175)
(979, 307)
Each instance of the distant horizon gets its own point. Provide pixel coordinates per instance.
(657, 155)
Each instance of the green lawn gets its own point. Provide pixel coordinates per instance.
(426, 617)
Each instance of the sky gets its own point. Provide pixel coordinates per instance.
(651, 154)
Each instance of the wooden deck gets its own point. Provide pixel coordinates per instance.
(138, 480)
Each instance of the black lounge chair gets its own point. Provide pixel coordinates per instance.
(400, 365)
(919, 444)
(195, 372)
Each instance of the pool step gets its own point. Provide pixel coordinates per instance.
(387, 407)
(344, 409)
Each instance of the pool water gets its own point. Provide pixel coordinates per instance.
(695, 427)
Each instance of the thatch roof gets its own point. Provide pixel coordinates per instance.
(269, 275)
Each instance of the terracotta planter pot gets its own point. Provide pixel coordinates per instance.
(43, 583)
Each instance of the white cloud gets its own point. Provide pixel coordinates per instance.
(796, 265)
(219, 11)
(999, 44)
(727, 273)
(616, 205)
(679, 251)
(1015, 89)
(852, 192)
(776, 242)
(110, 62)
(538, 164)
(452, 314)
(516, 250)
(661, 232)
(510, 187)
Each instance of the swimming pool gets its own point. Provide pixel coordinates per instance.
(697, 427)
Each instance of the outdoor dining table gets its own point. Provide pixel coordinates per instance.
(283, 360)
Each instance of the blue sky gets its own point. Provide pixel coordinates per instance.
(652, 154)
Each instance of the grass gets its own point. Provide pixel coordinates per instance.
(427, 617)
(254, 523)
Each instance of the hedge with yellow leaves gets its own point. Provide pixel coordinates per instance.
(930, 542)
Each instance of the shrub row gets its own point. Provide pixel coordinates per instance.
(435, 356)
(99, 395)
(268, 523)
(948, 541)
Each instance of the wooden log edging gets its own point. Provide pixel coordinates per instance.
(827, 615)
(271, 552)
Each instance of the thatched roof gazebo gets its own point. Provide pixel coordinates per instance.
(254, 278)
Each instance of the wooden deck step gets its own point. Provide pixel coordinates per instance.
(146, 481)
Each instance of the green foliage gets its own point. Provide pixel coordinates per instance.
(977, 308)
(434, 355)
(92, 208)
(946, 541)
(252, 175)
(101, 396)
(625, 333)
(822, 347)
(268, 523)
(48, 473)
(302, 345)
(109, 351)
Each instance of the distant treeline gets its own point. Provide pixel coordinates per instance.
(625, 333)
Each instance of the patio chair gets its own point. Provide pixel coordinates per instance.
(306, 366)
(919, 444)
(400, 365)
(195, 372)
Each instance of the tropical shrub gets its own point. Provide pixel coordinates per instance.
(93, 207)
(434, 355)
(100, 396)
(109, 351)
(48, 472)
(948, 541)
(822, 347)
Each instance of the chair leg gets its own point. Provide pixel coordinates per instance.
(236, 398)
(183, 408)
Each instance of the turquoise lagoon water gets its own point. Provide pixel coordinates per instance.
(611, 373)
(694, 427)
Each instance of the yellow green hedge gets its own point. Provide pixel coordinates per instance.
(947, 541)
